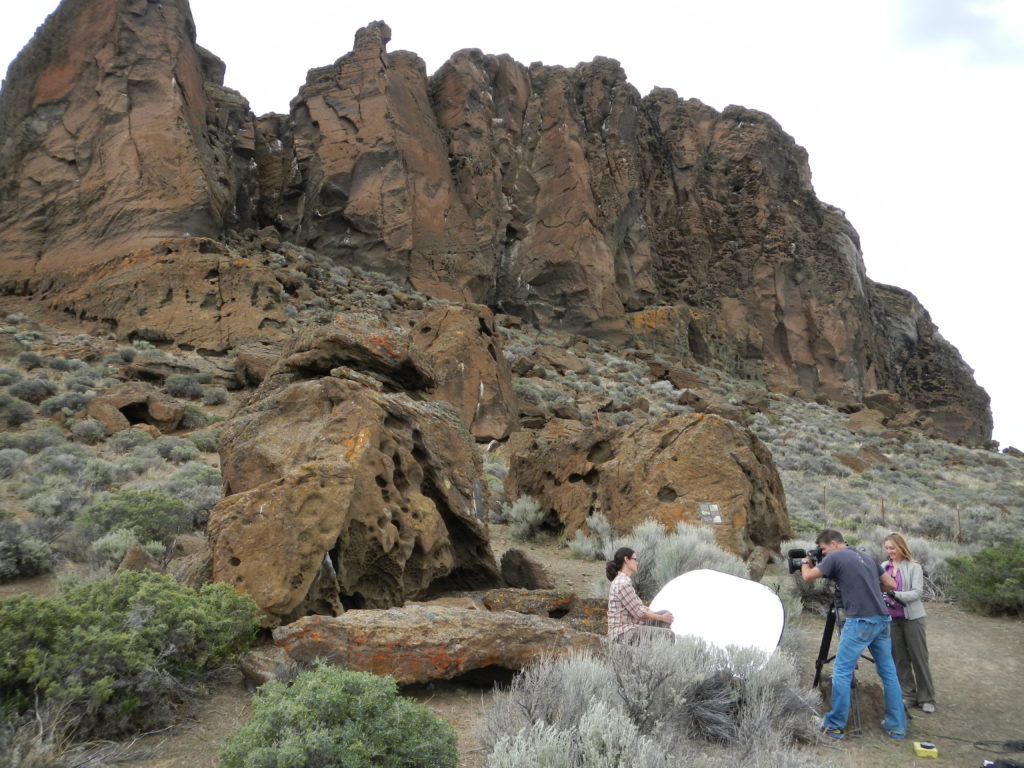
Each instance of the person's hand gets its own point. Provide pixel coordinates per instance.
(666, 617)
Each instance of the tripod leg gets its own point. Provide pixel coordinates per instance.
(826, 642)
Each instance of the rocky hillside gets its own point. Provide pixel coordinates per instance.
(129, 176)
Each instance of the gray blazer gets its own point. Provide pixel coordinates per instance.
(912, 578)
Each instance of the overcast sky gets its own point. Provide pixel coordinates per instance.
(911, 112)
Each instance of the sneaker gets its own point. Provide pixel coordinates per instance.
(928, 707)
(833, 733)
(893, 734)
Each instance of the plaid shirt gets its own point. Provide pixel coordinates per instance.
(625, 610)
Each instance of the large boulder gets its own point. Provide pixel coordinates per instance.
(342, 495)
(420, 643)
(661, 470)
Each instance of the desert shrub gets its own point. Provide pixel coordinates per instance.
(535, 745)
(329, 716)
(527, 391)
(11, 460)
(118, 649)
(195, 418)
(58, 498)
(88, 431)
(206, 442)
(524, 516)
(991, 581)
(665, 555)
(121, 355)
(109, 550)
(8, 376)
(33, 390)
(214, 396)
(197, 485)
(187, 385)
(30, 359)
(595, 542)
(13, 411)
(658, 699)
(33, 442)
(62, 364)
(176, 449)
(20, 553)
(127, 439)
(69, 403)
(149, 514)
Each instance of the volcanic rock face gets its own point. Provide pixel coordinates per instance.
(341, 495)
(659, 471)
(115, 134)
(559, 195)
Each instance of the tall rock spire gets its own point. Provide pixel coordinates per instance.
(107, 139)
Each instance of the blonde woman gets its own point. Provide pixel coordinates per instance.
(909, 644)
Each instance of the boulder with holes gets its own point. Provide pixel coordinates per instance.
(661, 469)
(342, 492)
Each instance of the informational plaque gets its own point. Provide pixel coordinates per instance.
(710, 514)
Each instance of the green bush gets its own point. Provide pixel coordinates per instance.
(149, 514)
(195, 418)
(204, 441)
(197, 485)
(187, 385)
(214, 395)
(8, 376)
(20, 553)
(127, 439)
(13, 411)
(118, 650)
(33, 390)
(332, 717)
(68, 403)
(11, 460)
(88, 431)
(991, 581)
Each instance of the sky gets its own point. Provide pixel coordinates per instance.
(911, 111)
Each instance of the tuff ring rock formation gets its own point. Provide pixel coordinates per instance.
(559, 195)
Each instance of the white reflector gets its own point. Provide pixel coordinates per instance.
(723, 610)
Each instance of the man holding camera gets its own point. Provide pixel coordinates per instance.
(861, 582)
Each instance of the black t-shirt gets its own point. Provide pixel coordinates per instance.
(857, 575)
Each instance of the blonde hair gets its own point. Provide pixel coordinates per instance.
(901, 545)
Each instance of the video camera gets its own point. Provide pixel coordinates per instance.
(796, 555)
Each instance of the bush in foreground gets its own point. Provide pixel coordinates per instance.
(333, 717)
(118, 651)
(675, 704)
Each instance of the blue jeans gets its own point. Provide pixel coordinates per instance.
(872, 633)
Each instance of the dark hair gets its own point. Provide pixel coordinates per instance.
(830, 534)
(613, 566)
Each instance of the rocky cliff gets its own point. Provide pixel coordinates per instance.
(559, 195)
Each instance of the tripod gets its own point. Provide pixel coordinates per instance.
(831, 620)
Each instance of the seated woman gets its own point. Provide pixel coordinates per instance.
(627, 615)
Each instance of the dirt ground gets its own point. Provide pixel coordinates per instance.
(977, 663)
